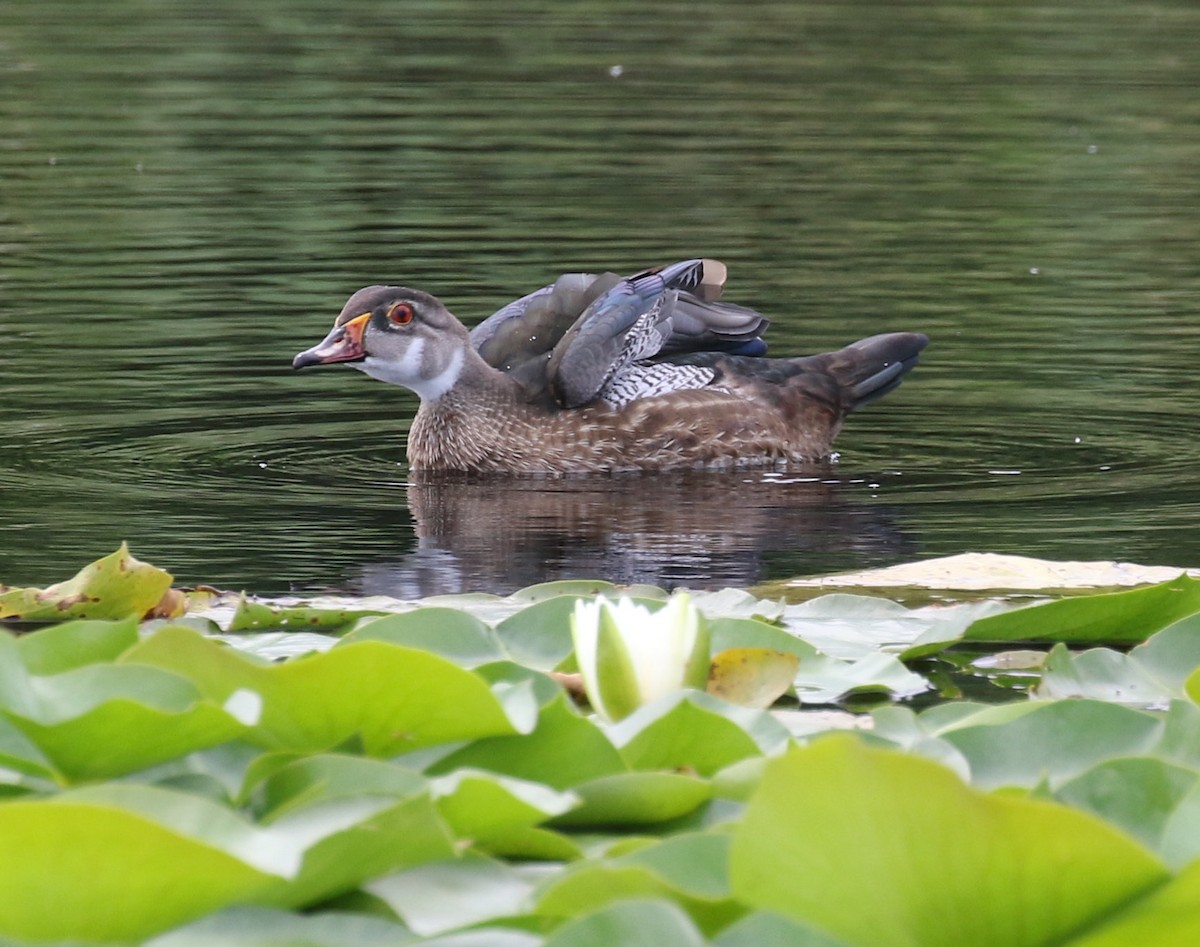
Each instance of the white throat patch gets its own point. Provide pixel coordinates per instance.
(407, 372)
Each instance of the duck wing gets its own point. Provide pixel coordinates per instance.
(655, 312)
(565, 342)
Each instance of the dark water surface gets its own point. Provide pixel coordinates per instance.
(191, 190)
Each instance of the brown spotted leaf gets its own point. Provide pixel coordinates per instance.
(113, 587)
(752, 677)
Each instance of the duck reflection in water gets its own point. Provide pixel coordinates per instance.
(698, 529)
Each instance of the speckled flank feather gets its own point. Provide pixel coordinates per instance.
(662, 379)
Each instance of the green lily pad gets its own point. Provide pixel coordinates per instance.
(634, 923)
(564, 749)
(455, 635)
(839, 835)
(1102, 674)
(628, 799)
(451, 894)
(1025, 744)
(1139, 794)
(285, 784)
(1167, 918)
(570, 588)
(689, 869)
(256, 926)
(539, 636)
(391, 698)
(73, 644)
(823, 680)
(765, 927)
(1124, 617)
(100, 719)
(116, 586)
(850, 627)
(695, 731)
(256, 616)
(154, 878)
(481, 806)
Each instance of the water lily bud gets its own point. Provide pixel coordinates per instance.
(629, 656)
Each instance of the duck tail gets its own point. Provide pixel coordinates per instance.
(870, 368)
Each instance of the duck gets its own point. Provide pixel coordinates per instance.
(603, 373)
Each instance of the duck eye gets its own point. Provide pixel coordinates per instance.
(400, 314)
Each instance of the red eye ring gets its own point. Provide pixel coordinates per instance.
(400, 314)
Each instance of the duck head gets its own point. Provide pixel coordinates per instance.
(398, 335)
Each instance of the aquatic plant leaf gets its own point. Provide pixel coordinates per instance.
(72, 644)
(849, 627)
(256, 926)
(1102, 674)
(626, 799)
(1024, 744)
(115, 586)
(446, 895)
(153, 878)
(563, 750)
(1172, 654)
(1168, 917)
(480, 806)
(571, 588)
(539, 635)
(455, 635)
(694, 731)
(356, 839)
(752, 633)
(100, 719)
(633, 923)
(766, 927)
(284, 784)
(257, 616)
(22, 758)
(824, 680)
(390, 698)
(689, 869)
(752, 677)
(1139, 794)
(838, 835)
(1125, 617)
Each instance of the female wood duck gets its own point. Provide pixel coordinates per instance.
(608, 373)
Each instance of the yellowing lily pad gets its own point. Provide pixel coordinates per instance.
(753, 677)
(113, 587)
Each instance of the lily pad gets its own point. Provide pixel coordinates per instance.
(689, 869)
(1026, 744)
(256, 926)
(391, 698)
(154, 877)
(462, 638)
(630, 799)
(752, 677)
(695, 731)
(116, 586)
(256, 616)
(451, 894)
(633, 923)
(1116, 617)
(563, 750)
(1034, 873)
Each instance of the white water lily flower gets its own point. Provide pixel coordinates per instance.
(628, 655)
